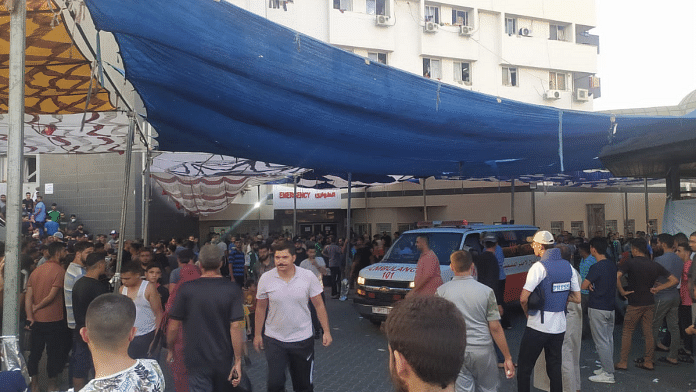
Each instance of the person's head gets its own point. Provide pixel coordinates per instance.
(210, 258)
(683, 251)
(131, 273)
(312, 253)
(56, 250)
(427, 341)
(73, 217)
(598, 246)
(153, 273)
(145, 255)
(298, 244)
(82, 249)
(490, 241)
(422, 243)
(95, 261)
(639, 247)
(109, 323)
(54, 206)
(185, 256)
(542, 241)
(584, 250)
(3, 198)
(28, 195)
(665, 241)
(566, 254)
(114, 234)
(264, 251)
(461, 261)
(284, 256)
(39, 198)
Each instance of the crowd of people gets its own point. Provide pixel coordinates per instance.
(202, 302)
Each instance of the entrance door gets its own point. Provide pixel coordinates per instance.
(595, 220)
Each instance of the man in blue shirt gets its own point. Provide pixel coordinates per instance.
(51, 227)
(39, 216)
(236, 261)
(600, 283)
(586, 262)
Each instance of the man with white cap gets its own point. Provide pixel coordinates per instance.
(554, 280)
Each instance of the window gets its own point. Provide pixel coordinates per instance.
(653, 225)
(376, 7)
(404, 250)
(30, 169)
(460, 18)
(383, 228)
(432, 69)
(557, 32)
(377, 57)
(432, 14)
(275, 4)
(577, 228)
(557, 81)
(510, 26)
(556, 227)
(462, 72)
(510, 76)
(630, 226)
(611, 226)
(343, 5)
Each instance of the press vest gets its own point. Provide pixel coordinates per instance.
(556, 284)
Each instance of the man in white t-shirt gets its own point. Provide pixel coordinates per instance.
(108, 331)
(546, 324)
(318, 266)
(285, 291)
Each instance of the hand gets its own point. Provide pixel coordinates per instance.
(235, 374)
(500, 310)
(591, 287)
(326, 341)
(627, 293)
(690, 330)
(170, 355)
(509, 368)
(258, 344)
(654, 290)
(31, 323)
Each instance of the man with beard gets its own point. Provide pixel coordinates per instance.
(265, 262)
(428, 278)
(300, 251)
(418, 367)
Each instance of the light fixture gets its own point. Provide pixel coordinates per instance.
(257, 204)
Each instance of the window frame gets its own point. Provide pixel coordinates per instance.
(556, 227)
(554, 78)
(458, 72)
(375, 11)
(553, 32)
(378, 55)
(337, 5)
(455, 11)
(430, 68)
(508, 73)
(436, 8)
(514, 26)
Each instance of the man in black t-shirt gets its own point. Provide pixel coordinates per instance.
(641, 274)
(360, 260)
(85, 290)
(28, 204)
(211, 313)
(487, 268)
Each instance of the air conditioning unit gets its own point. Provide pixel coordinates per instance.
(582, 95)
(525, 32)
(382, 20)
(465, 30)
(431, 27)
(552, 94)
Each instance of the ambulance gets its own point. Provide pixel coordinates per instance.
(381, 285)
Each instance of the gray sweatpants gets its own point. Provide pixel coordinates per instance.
(479, 372)
(602, 328)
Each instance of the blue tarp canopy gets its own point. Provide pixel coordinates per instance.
(218, 79)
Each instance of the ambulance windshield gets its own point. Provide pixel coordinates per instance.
(404, 248)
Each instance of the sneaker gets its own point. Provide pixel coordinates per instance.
(604, 377)
(599, 371)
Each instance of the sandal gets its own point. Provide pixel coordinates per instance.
(639, 360)
(667, 361)
(686, 358)
(664, 350)
(642, 366)
(617, 367)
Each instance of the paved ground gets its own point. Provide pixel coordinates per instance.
(357, 361)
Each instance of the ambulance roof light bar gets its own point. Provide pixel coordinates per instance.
(427, 224)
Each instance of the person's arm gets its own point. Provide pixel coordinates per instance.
(320, 267)
(575, 296)
(172, 333)
(48, 299)
(155, 301)
(323, 318)
(238, 348)
(671, 281)
(259, 321)
(524, 299)
(586, 285)
(28, 302)
(619, 286)
(499, 338)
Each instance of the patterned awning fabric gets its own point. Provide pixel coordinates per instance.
(58, 77)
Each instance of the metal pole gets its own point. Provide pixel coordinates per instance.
(367, 215)
(294, 207)
(512, 200)
(258, 200)
(124, 200)
(350, 184)
(626, 212)
(15, 159)
(425, 203)
(146, 198)
(533, 207)
(647, 208)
